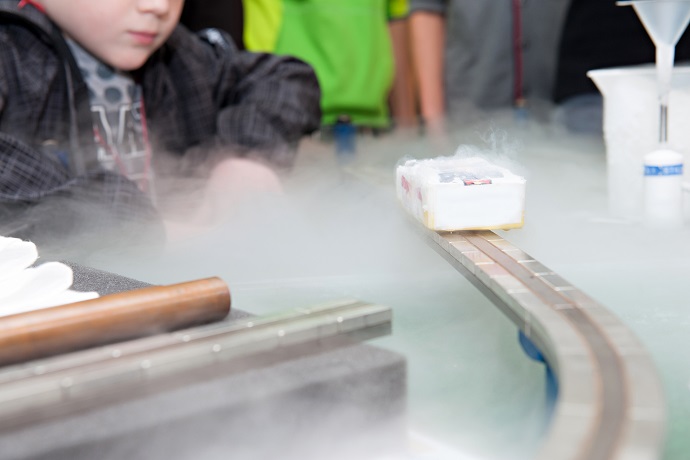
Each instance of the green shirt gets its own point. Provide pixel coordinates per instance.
(346, 41)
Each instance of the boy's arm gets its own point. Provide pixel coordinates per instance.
(250, 104)
(276, 102)
(211, 103)
(267, 102)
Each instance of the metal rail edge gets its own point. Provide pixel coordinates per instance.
(71, 383)
(610, 404)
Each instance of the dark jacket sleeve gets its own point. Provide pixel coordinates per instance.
(247, 102)
(70, 216)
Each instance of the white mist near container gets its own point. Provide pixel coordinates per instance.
(663, 188)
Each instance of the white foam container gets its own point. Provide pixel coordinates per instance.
(448, 194)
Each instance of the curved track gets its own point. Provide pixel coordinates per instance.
(610, 403)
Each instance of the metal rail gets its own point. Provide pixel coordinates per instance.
(58, 386)
(610, 403)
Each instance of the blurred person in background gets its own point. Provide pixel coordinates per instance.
(473, 57)
(349, 44)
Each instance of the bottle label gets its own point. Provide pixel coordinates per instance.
(669, 170)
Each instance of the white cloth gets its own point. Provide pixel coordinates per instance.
(24, 287)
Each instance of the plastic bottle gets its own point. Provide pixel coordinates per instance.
(663, 188)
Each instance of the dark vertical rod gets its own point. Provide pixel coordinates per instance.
(663, 124)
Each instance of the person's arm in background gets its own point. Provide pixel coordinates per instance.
(402, 95)
(428, 31)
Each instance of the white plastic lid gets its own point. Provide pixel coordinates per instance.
(663, 157)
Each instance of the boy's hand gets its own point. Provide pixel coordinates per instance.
(233, 182)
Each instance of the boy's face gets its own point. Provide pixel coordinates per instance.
(121, 33)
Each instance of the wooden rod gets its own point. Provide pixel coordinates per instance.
(111, 318)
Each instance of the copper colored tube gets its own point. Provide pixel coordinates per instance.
(111, 318)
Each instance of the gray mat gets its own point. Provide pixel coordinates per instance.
(341, 404)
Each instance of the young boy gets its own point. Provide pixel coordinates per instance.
(94, 94)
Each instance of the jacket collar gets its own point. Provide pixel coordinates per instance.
(10, 10)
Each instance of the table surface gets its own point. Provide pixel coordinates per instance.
(339, 232)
